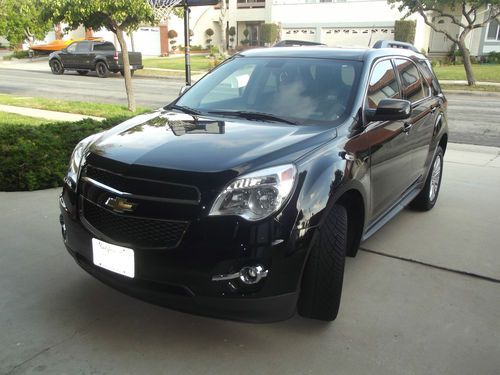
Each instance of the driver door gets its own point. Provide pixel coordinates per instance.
(390, 155)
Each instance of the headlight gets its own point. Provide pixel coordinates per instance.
(256, 195)
(76, 161)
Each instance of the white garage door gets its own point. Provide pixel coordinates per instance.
(147, 41)
(355, 36)
(306, 34)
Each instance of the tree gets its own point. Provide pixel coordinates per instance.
(223, 15)
(172, 35)
(118, 16)
(20, 20)
(209, 33)
(464, 14)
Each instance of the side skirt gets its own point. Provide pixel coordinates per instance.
(411, 193)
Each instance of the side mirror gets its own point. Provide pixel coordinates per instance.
(183, 89)
(389, 110)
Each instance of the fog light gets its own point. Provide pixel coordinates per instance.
(253, 274)
(248, 275)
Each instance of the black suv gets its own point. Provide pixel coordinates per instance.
(242, 197)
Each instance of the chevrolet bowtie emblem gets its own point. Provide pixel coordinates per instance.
(120, 204)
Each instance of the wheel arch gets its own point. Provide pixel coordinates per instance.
(352, 200)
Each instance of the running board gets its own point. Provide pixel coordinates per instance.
(396, 209)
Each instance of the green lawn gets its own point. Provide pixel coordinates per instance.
(15, 119)
(483, 72)
(84, 108)
(198, 62)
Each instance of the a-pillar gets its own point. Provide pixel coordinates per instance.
(164, 49)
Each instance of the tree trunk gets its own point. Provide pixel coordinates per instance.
(467, 63)
(126, 70)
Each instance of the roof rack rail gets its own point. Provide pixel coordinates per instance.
(395, 44)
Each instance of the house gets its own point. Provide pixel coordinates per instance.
(332, 22)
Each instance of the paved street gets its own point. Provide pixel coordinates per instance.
(473, 118)
(421, 298)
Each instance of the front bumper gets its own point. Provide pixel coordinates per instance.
(181, 278)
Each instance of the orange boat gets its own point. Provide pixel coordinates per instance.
(57, 45)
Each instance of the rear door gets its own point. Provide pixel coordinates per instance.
(390, 156)
(417, 90)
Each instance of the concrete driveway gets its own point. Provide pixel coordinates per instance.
(422, 298)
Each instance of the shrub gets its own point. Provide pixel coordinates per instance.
(493, 58)
(269, 32)
(37, 157)
(17, 55)
(404, 31)
(172, 34)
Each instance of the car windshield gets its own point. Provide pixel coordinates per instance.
(297, 90)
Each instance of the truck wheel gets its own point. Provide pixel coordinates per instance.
(56, 67)
(324, 272)
(82, 72)
(101, 69)
(429, 194)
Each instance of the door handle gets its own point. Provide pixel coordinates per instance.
(433, 109)
(407, 127)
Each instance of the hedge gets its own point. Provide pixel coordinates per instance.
(36, 157)
(404, 31)
(269, 32)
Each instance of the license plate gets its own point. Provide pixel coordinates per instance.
(113, 258)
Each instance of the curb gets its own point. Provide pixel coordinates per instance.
(473, 93)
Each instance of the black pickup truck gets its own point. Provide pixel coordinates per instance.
(99, 56)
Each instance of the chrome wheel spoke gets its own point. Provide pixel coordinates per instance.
(435, 178)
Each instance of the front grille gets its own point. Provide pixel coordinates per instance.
(144, 187)
(127, 230)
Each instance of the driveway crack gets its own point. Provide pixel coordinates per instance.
(453, 270)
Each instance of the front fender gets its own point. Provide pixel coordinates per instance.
(328, 175)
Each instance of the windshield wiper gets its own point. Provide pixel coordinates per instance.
(188, 110)
(254, 116)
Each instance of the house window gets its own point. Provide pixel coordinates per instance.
(493, 30)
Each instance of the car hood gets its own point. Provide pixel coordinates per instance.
(179, 141)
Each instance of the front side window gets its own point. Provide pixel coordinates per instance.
(71, 48)
(383, 84)
(411, 80)
(305, 90)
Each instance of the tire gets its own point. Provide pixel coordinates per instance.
(102, 69)
(82, 72)
(324, 272)
(131, 73)
(429, 194)
(56, 67)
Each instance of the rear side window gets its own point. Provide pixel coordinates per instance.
(429, 77)
(82, 47)
(104, 46)
(411, 81)
(383, 84)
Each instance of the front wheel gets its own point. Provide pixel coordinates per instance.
(101, 69)
(429, 194)
(56, 67)
(324, 272)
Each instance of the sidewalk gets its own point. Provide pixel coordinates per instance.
(459, 82)
(49, 115)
